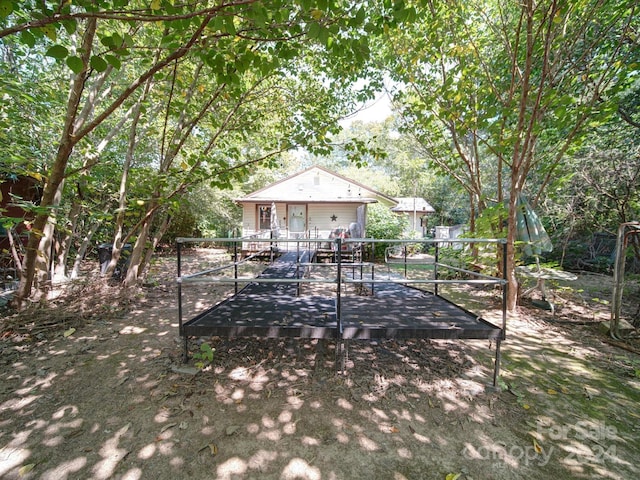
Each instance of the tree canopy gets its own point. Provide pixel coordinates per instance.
(498, 93)
(130, 113)
(189, 92)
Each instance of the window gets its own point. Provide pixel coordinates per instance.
(264, 217)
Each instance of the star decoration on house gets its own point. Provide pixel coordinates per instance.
(333, 218)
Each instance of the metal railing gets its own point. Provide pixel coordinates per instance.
(466, 276)
(344, 248)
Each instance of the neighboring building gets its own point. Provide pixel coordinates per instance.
(450, 232)
(415, 209)
(310, 204)
(14, 189)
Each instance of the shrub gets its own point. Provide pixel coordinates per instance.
(383, 223)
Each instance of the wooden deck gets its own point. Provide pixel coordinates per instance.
(393, 311)
(345, 304)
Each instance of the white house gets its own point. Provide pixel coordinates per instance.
(415, 209)
(316, 203)
(309, 204)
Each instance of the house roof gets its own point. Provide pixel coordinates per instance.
(413, 204)
(317, 185)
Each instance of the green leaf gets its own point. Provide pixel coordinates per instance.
(57, 51)
(314, 30)
(98, 64)
(6, 7)
(107, 41)
(113, 61)
(75, 64)
(401, 14)
(259, 15)
(70, 26)
(128, 40)
(27, 38)
(360, 17)
(49, 31)
(230, 25)
(207, 351)
(117, 39)
(323, 36)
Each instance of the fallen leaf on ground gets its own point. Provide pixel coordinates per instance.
(26, 469)
(167, 427)
(536, 446)
(213, 448)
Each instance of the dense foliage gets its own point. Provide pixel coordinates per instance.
(382, 223)
(144, 120)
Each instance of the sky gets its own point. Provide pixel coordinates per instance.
(376, 110)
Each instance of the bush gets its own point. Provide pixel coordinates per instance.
(383, 223)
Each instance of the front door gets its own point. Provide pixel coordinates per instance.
(297, 220)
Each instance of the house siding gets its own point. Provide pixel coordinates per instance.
(313, 185)
(318, 220)
(320, 217)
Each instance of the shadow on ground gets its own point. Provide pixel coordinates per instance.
(107, 400)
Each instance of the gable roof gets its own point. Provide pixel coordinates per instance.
(317, 185)
(413, 204)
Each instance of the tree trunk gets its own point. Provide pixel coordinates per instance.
(66, 241)
(135, 261)
(14, 253)
(82, 250)
(38, 254)
(70, 137)
(161, 230)
(512, 281)
(38, 239)
(122, 196)
(45, 261)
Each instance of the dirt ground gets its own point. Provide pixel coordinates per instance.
(95, 389)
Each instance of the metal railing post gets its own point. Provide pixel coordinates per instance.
(178, 248)
(435, 268)
(235, 265)
(373, 275)
(339, 340)
(405, 260)
(505, 287)
(185, 350)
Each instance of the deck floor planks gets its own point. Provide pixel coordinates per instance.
(394, 311)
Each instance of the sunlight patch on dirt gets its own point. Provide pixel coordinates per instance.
(110, 402)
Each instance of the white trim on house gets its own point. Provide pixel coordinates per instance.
(317, 185)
